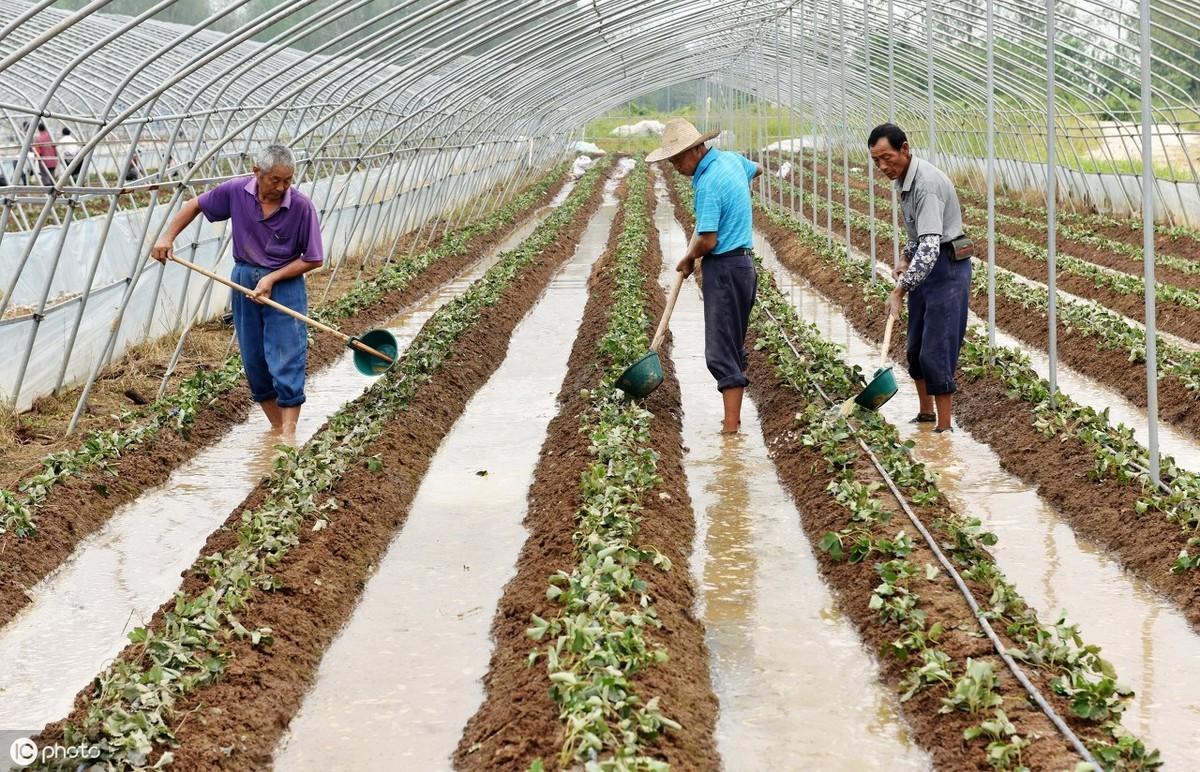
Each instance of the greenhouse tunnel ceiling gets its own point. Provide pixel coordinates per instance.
(428, 72)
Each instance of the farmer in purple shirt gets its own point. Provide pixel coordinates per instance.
(276, 240)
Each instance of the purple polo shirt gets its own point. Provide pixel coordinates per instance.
(291, 232)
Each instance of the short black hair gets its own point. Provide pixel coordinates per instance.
(66, 132)
(41, 126)
(889, 131)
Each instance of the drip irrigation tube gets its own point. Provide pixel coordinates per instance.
(1016, 670)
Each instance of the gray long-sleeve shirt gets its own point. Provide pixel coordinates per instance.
(932, 217)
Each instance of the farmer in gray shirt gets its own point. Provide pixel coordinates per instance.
(933, 273)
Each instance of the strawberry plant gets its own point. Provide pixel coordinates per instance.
(1004, 744)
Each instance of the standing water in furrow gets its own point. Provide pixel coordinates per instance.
(408, 663)
(1150, 644)
(792, 677)
(119, 576)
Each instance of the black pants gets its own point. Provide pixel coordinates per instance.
(730, 284)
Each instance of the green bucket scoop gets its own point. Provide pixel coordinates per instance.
(883, 384)
(642, 377)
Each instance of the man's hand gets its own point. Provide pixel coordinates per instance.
(899, 270)
(895, 297)
(686, 266)
(163, 250)
(263, 289)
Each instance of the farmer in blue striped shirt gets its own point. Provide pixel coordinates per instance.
(723, 238)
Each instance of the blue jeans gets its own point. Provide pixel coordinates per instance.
(730, 284)
(937, 323)
(274, 346)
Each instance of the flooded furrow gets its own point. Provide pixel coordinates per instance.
(1150, 643)
(396, 687)
(1088, 391)
(79, 615)
(792, 677)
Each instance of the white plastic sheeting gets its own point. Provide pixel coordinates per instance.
(1121, 194)
(588, 147)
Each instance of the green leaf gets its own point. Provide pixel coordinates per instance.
(832, 543)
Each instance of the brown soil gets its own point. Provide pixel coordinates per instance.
(518, 722)
(80, 505)
(1103, 511)
(1178, 405)
(1185, 246)
(1171, 317)
(235, 723)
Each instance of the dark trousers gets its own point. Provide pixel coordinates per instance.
(937, 323)
(730, 284)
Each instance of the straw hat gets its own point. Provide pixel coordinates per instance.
(679, 135)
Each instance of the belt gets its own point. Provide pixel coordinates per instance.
(739, 252)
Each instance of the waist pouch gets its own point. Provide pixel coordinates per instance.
(961, 248)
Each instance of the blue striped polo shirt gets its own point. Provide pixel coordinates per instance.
(722, 198)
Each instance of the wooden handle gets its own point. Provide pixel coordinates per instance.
(267, 301)
(887, 340)
(662, 323)
(358, 344)
(280, 307)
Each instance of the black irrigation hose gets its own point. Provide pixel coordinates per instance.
(1016, 670)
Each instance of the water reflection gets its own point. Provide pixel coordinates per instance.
(730, 568)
